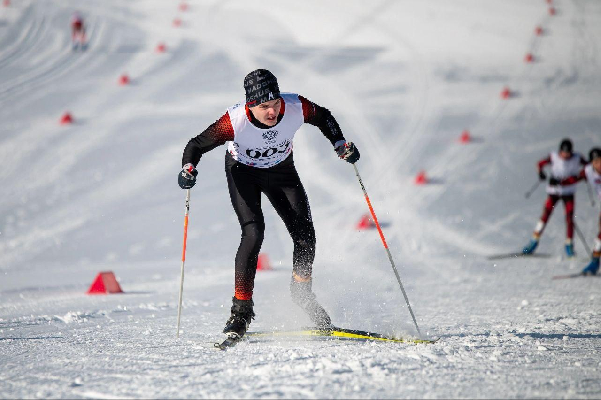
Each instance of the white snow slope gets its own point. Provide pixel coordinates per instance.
(403, 78)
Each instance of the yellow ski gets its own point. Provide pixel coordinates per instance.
(341, 333)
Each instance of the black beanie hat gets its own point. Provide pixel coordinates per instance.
(566, 145)
(260, 86)
(594, 153)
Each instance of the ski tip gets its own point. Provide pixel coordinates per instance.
(231, 340)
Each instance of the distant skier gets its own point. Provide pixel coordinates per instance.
(259, 159)
(564, 163)
(592, 173)
(78, 31)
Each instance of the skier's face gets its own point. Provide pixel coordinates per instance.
(597, 164)
(566, 155)
(267, 113)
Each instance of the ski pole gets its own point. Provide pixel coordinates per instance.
(396, 272)
(590, 194)
(581, 236)
(533, 188)
(181, 286)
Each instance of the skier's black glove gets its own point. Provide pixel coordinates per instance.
(348, 152)
(187, 177)
(554, 181)
(542, 176)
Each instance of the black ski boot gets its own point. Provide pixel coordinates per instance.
(303, 296)
(242, 314)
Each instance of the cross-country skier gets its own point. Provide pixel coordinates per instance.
(564, 163)
(592, 173)
(259, 159)
(78, 31)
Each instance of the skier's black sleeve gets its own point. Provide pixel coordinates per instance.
(322, 118)
(215, 135)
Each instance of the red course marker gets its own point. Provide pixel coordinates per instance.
(365, 223)
(105, 283)
(421, 178)
(123, 80)
(66, 119)
(263, 263)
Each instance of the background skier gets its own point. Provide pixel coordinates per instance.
(564, 163)
(259, 159)
(592, 173)
(78, 31)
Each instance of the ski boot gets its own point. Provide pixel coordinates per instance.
(592, 268)
(530, 247)
(570, 248)
(303, 296)
(242, 314)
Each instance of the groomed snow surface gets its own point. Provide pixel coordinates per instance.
(404, 79)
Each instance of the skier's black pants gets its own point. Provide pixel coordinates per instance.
(282, 186)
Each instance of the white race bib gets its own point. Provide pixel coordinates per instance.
(264, 148)
(561, 169)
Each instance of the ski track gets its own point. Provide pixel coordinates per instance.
(400, 80)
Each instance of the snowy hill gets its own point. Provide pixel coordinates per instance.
(403, 79)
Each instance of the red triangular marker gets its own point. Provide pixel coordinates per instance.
(104, 283)
(263, 263)
(66, 119)
(365, 223)
(421, 178)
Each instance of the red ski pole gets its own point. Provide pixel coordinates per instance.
(181, 287)
(396, 272)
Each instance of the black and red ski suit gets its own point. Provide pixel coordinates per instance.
(280, 183)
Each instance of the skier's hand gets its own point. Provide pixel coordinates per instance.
(187, 176)
(554, 181)
(348, 152)
(542, 176)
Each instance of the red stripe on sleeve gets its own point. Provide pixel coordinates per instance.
(222, 130)
(308, 109)
(544, 162)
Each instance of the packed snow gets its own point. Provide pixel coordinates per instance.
(403, 79)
